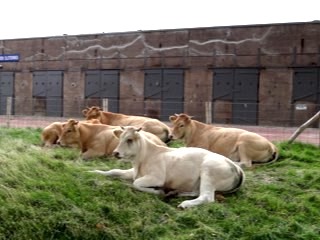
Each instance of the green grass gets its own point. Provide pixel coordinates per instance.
(47, 194)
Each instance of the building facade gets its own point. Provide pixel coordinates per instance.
(254, 74)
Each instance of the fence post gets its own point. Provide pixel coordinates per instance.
(105, 104)
(208, 106)
(9, 107)
(304, 126)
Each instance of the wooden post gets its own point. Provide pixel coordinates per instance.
(9, 107)
(304, 126)
(208, 106)
(105, 104)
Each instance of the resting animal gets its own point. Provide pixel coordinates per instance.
(185, 171)
(94, 140)
(51, 133)
(237, 144)
(151, 125)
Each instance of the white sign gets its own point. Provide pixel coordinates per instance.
(301, 107)
(9, 58)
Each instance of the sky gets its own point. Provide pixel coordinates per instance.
(42, 18)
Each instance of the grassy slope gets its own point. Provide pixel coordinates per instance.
(47, 194)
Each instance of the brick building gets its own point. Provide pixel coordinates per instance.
(254, 74)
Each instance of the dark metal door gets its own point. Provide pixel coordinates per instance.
(306, 85)
(223, 84)
(48, 88)
(54, 93)
(245, 96)
(239, 87)
(305, 94)
(166, 85)
(101, 84)
(92, 84)
(6, 90)
(153, 84)
(172, 93)
(40, 84)
(109, 85)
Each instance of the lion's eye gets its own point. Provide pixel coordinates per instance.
(181, 125)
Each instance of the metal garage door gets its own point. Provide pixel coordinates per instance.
(101, 84)
(48, 92)
(166, 85)
(305, 95)
(306, 85)
(245, 97)
(6, 90)
(239, 87)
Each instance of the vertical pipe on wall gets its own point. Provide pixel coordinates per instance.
(259, 57)
(294, 56)
(208, 106)
(9, 106)
(318, 55)
(105, 104)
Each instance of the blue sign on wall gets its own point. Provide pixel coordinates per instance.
(9, 57)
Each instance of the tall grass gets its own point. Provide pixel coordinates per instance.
(47, 194)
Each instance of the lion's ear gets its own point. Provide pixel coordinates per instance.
(172, 118)
(188, 119)
(73, 121)
(84, 111)
(117, 133)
